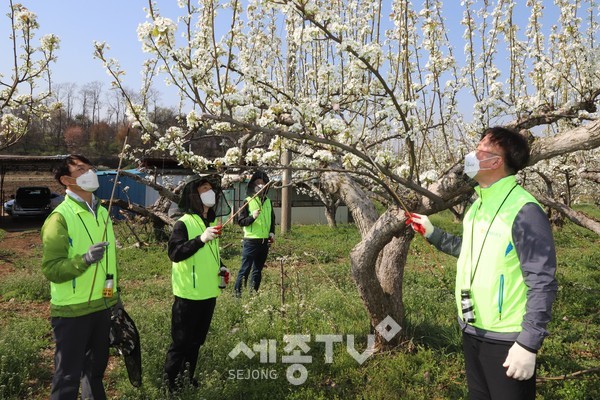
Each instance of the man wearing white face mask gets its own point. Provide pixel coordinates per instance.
(505, 280)
(79, 260)
(194, 250)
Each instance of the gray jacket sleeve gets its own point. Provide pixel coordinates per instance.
(446, 242)
(534, 244)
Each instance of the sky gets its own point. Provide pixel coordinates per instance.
(78, 23)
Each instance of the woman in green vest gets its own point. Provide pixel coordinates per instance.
(257, 218)
(194, 250)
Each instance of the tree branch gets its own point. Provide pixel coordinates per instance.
(568, 376)
(575, 216)
(144, 212)
(162, 191)
(585, 137)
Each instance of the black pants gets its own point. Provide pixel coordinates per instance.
(190, 320)
(81, 355)
(486, 377)
(254, 256)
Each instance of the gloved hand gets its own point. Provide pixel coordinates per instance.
(520, 363)
(420, 223)
(209, 234)
(95, 253)
(255, 213)
(271, 237)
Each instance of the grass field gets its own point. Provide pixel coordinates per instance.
(319, 298)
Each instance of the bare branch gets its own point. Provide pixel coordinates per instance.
(144, 212)
(585, 137)
(575, 216)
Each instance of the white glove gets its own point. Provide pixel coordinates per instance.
(271, 237)
(520, 363)
(95, 253)
(209, 234)
(420, 223)
(255, 213)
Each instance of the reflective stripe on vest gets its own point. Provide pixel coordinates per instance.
(261, 227)
(197, 277)
(77, 291)
(498, 291)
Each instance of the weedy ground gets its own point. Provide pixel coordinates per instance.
(307, 290)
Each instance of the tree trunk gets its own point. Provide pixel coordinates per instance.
(378, 260)
(330, 210)
(360, 205)
(330, 202)
(378, 268)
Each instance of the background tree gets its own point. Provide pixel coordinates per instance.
(377, 96)
(20, 95)
(74, 138)
(92, 91)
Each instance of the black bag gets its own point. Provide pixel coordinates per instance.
(125, 337)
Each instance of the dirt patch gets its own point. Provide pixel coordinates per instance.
(15, 245)
(27, 309)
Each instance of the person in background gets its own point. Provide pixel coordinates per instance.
(79, 260)
(505, 280)
(194, 250)
(258, 221)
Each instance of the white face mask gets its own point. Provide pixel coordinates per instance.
(88, 181)
(472, 164)
(208, 198)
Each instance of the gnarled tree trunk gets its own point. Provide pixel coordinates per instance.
(378, 260)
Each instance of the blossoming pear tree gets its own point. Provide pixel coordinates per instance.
(20, 95)
(373, 99)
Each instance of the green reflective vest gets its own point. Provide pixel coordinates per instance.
(261, 227)
(197, 277)
(488, 264)
(70, 298)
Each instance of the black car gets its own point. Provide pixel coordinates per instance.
(31, 201)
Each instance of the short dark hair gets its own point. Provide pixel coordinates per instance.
(63, 168)
(515, 147)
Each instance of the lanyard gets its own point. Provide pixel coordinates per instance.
(485, 237)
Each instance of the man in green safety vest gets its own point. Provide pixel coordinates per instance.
(258, 221)
(505, 279)
(79, 260)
